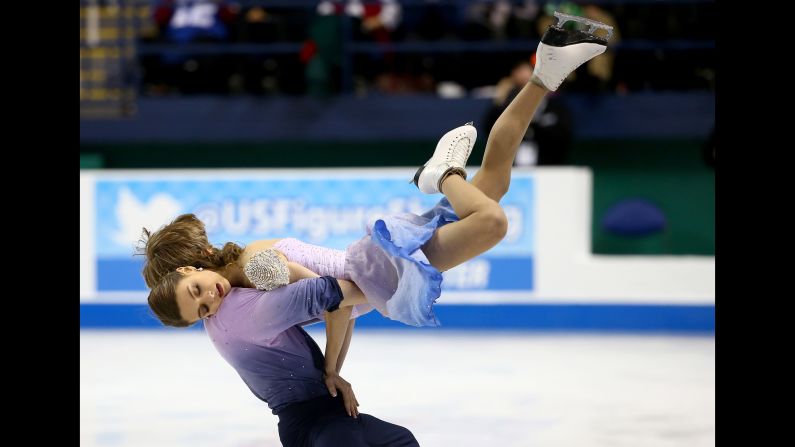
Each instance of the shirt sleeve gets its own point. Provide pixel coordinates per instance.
(294, 304)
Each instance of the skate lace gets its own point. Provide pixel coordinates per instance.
(457, 151)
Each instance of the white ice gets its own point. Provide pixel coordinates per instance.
(451, 389)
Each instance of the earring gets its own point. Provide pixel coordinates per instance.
(199, 269)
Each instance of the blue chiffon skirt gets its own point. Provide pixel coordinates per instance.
(390, 268)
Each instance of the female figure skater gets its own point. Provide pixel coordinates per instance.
(397, 265)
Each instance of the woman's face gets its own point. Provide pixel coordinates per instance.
(199, 293)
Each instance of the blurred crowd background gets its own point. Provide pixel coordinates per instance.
(451, 48)
(300, 83)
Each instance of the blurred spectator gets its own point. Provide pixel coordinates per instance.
(322, 52)
(486, 21)
(259, 73)
(257, 24)
(194, 21)
(433, 21)
(377, 21)
(501, 19)
(548, 139)
(522, 23)
(374, 20)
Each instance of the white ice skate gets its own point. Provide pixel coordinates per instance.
(561, 51)
(450, 156)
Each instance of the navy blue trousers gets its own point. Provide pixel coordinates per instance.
(323, 422)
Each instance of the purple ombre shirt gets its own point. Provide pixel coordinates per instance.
(259, 333)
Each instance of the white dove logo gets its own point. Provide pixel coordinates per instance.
(132, 215)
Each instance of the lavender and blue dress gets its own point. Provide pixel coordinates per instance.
(387, 264)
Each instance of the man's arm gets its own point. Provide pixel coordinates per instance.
(269, 313)
(352, 294)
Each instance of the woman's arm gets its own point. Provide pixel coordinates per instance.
(352, 294)
(338, 337)
(298, 272)
(339, 326)
(345, 344)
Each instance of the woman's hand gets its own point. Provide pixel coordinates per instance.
(335, 383)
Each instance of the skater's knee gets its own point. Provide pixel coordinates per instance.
(494, 222)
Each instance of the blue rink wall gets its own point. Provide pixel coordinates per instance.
(533, 317)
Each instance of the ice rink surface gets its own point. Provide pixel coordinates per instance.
(451, 389)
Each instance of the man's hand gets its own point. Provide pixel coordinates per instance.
(335, 384)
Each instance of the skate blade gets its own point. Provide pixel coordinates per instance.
(593, 25)
(416, 178)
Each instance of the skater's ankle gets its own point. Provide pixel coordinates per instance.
(537, 81)
(452, 173)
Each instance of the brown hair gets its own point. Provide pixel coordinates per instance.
(163, 300)
(182, 243)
